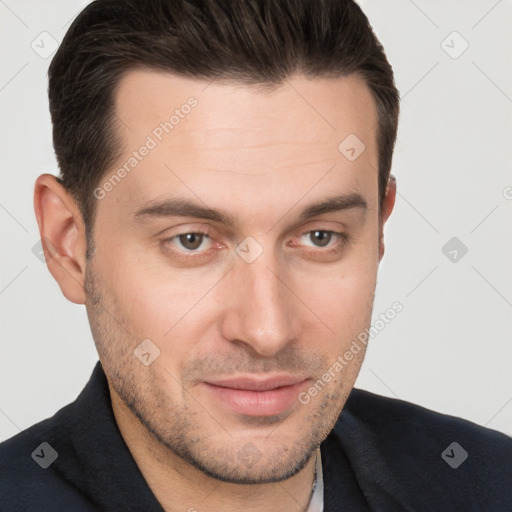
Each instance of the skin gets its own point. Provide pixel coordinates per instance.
(262, 157)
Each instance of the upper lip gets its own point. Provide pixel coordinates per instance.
(257, 383)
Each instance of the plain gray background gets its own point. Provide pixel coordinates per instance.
(448, 350)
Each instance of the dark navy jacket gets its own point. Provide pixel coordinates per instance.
(382, 455)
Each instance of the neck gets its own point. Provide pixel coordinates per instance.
(178, 485)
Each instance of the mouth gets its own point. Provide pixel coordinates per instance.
(251, 396)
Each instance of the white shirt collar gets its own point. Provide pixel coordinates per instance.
(317, 500)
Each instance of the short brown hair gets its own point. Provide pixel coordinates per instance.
(258, 42)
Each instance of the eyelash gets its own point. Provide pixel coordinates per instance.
(342, 240)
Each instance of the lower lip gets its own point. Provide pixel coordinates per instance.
(257, 403)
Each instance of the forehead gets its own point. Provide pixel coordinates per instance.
(241, 144)
(331, 107)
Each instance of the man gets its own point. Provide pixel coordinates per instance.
(224, 234)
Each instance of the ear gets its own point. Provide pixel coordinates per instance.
(388, 204)
(62, 236)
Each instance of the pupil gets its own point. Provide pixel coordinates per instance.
(191, 240)
(323, 238)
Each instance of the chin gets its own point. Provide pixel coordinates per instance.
(249, 466)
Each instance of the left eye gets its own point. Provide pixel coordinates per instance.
(321, 238)
(190, 241)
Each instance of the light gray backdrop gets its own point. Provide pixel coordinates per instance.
(448, 350)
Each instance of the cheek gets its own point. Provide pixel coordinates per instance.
(342, 295)
(342, 309)
(149, 295)
(161, 303)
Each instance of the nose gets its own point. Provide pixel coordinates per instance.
(260, 308)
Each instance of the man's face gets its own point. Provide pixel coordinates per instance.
(248, 314)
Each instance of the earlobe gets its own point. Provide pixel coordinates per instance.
(387, 207)
(62, 235)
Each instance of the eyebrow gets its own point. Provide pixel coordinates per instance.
(179, 207)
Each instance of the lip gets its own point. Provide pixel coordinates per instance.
(252, 396)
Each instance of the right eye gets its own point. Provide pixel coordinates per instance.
(190, 242)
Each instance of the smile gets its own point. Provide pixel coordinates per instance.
(257, 397)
